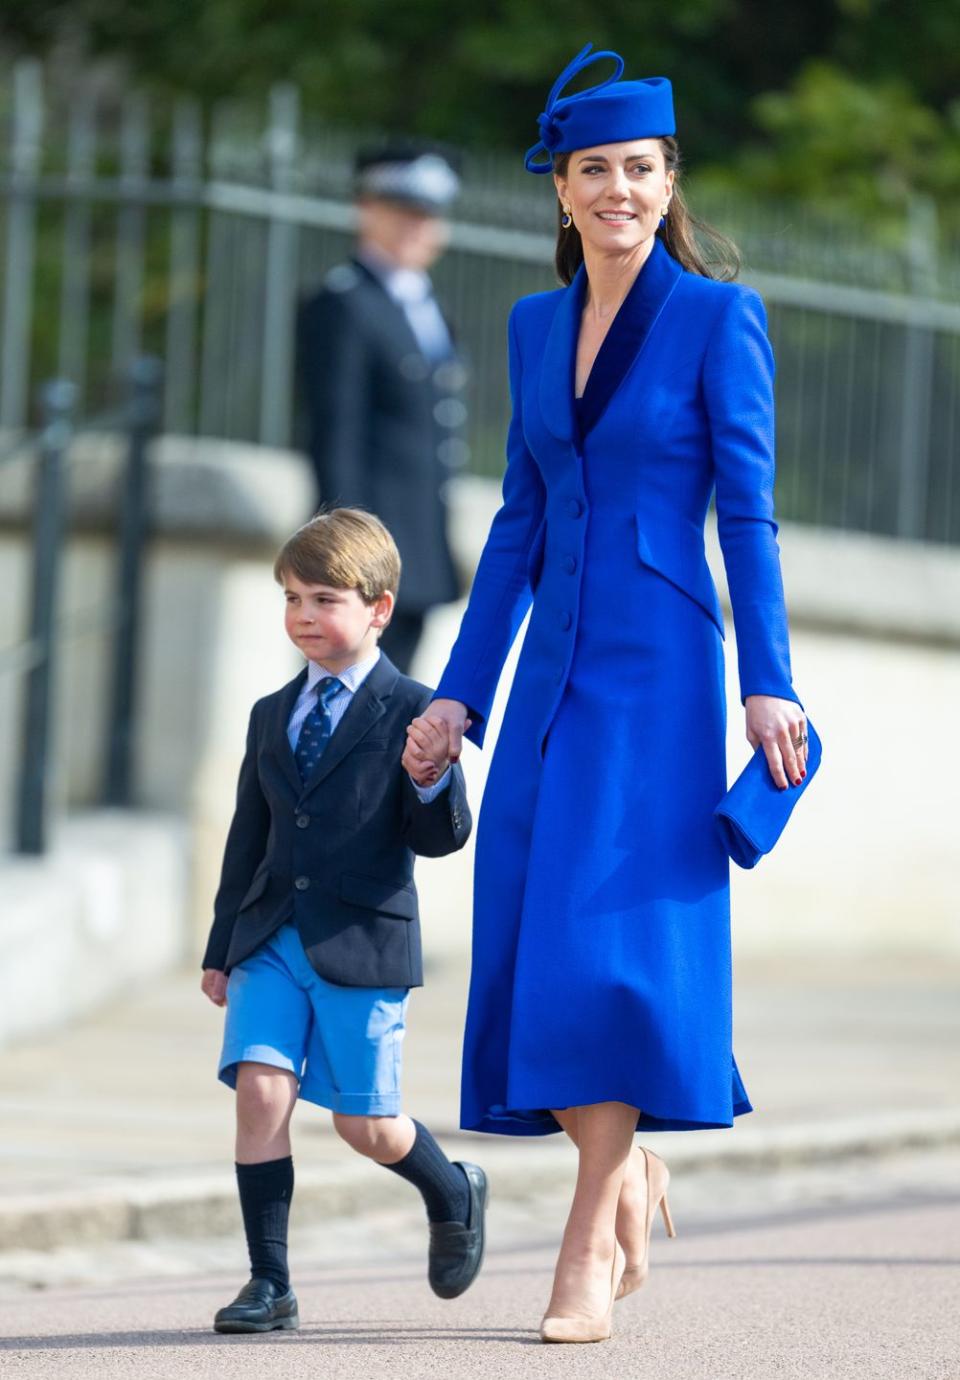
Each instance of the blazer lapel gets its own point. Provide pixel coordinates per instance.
(362, 713)
(559, 355)
(280, 743)
(629, 332)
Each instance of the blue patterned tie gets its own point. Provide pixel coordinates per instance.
(316, 729)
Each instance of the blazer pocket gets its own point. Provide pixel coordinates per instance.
(535, 557)
(373, 893)
(372, 745)
(256, 888)
(673, 547)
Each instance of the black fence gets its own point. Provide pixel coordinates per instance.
(36, 656)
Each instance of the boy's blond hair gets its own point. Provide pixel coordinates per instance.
(345, 548)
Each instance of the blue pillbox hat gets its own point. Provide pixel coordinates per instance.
(754, 812)
(608, 113)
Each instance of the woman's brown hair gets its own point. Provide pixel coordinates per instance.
(692, 242)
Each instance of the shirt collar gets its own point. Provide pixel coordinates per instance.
(353, 677)
(403, 284)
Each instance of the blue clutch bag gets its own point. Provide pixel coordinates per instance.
(753, 813)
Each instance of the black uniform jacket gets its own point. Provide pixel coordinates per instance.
(384, 423)
(335, 855)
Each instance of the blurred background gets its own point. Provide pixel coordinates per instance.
(174, 180)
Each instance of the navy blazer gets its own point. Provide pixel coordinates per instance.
(336, 855)
(385, 424)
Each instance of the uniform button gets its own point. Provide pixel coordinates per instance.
(303, 821)
(575, 507)
(566, 621)
(570, 564)
(302, 883)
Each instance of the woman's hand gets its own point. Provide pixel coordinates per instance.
(781, 726)
(451, 715)
(427, 754)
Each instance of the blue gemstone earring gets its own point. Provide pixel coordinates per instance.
(566, 220)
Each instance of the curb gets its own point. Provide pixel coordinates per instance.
(206, 1205)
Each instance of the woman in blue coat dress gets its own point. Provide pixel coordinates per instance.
(600, 991)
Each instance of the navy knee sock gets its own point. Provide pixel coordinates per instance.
(265, 1193)
(443, 1185)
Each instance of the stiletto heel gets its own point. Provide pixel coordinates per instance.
(667, 1219)
(658, 1179)
(586, 1329)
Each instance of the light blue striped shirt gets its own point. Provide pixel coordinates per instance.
(352, 678)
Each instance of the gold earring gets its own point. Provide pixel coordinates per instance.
(566, 220)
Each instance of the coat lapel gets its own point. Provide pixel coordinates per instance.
(280, 743)
(559, 357)
(629, 332)
(366, 707)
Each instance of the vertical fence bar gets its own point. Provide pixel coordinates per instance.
(131, 218)
(75, 289)
(276, 370)
(57, 403)
(25, 152)
(145, 379)
(915, 419)
(184, 275)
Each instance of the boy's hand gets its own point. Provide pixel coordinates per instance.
(427, 754)
(213, 984)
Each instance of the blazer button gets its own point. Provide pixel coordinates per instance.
(570, 564)
(566, 621)
(302, 883)
(303, 821)
(575, 507)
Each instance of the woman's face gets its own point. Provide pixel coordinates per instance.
(616, 193)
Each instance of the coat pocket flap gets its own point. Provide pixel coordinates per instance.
(674, 548)
(392, 898)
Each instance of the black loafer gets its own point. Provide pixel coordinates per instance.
(260, 1306)
(456, 1251)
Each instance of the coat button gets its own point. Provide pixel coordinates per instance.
(303, 821)
(566, 621)
(575, 507)
(570, 564)
(302, 883)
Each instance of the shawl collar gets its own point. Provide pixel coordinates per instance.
(628, 334)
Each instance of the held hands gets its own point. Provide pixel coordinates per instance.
(779, 725)
(213, 984)
(435, 740)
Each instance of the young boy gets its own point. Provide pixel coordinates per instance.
(316, 919)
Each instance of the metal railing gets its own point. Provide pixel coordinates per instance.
(195, 246)
(36, 658)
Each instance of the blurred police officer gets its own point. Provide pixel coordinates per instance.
(382, 381)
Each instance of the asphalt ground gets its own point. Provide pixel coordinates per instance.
(826, 1271)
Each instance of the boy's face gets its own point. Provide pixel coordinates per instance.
(333, 627)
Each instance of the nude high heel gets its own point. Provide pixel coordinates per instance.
(658, 1179)
(586, 1329)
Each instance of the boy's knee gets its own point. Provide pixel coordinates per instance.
(368, 1135)
(264, 1094)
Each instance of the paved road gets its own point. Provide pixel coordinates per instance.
(845, 1272)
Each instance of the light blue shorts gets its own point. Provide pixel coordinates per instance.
(342, 1043)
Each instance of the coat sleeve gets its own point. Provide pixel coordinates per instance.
(334, 370)
(501, 593)
(738, 388)
(440, 826)
(245, 849)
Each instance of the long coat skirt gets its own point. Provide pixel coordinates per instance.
(601, 943)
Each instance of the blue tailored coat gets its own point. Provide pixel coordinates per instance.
(601, 943)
